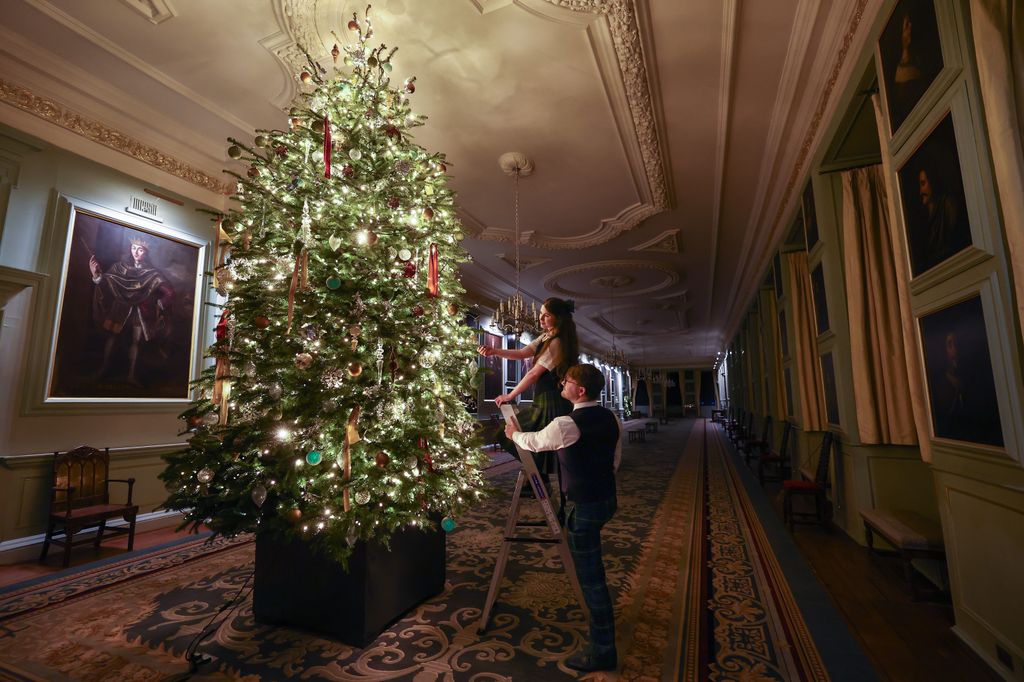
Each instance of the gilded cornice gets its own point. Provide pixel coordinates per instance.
(58, 114)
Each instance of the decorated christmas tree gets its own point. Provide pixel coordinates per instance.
(335, 411)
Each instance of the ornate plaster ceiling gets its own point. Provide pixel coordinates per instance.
(670, 137)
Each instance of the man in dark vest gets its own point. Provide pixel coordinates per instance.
(589, 448)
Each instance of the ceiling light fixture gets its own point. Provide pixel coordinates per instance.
(512, 315)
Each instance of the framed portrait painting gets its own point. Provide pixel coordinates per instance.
(934, 202)
(910, 57)
(958, 367)
(127, 313)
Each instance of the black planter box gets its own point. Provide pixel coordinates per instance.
(295, 587)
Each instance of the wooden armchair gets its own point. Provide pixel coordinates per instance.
(779, 459)
(815, 489)
(755, 447)
(80, 499)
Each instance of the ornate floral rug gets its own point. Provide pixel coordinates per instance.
(696, 598)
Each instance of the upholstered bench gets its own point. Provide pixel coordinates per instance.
(911, 535)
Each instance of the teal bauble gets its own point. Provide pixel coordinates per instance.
(448, 524)
(333, 283)
(314, 456)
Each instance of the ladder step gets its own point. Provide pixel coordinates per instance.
(539, 541)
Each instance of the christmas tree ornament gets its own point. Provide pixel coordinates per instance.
(274, 390)
(253, 172)
(334, 379)
(382, 459)
(258, 495)
(303, 361)
(433, 274)
(295, 112)
(453, 309)
(318, 126)
(393, 202)
(261, 321)
(335, 52)
(348, 171)
(409, 270)
(428, 213)
(372, 237)
(410, 85)
(362, 497)
(311, 330)
(402, 168)
(306, 77)
(314, 457)
(331, 405)
(448, 524)
(417, 310)
(404, 255)
(204, 475)
(412, 462)
(355, 154)
(355, 368)
(210, 418)
(334, 242)
(195, 421)
(351, 536)
(328, 145)
(262, 141)
(235, 152)
(293, 515)
(281, 150)
(353, 25)
(333, 282)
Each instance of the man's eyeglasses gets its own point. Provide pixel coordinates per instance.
(563, 382)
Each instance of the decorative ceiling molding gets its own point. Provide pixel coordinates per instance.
(609, 229)
(614, 34)
(806, 15)
(300, 22)
(730, 9)
(552, 285)
(805, 149)
(625, 33)
(666, 242)
(76, 26)
(612, 282)
(56, 113)
(525, 262)
(155, 11)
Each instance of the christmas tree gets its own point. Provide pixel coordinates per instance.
(335, 409)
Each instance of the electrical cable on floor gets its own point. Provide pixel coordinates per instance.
(192, 654)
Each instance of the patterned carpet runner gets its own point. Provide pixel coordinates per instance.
(698, 594)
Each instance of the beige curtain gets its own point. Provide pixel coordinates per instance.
(881, 388)
(998, 27)
(915, 372)
(810, 396)
(775, 358)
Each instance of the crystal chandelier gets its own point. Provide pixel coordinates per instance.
(513, 316)
(616, 356)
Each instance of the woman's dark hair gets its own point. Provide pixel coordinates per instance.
(565, 331)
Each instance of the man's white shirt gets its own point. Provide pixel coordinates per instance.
(561, 433)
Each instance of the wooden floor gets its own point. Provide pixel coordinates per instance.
(904, 639)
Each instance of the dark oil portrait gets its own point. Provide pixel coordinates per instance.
(934, 203)
(961, 384)
(911, 57)
(126, 324)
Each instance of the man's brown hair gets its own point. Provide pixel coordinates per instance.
(589, 377)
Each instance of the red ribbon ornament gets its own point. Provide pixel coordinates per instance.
(327, 146)
(433, 285)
